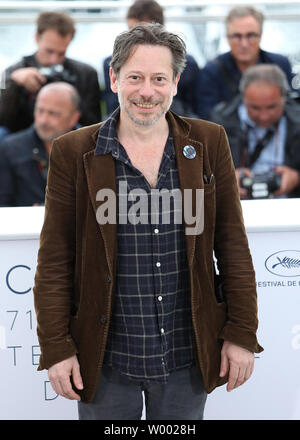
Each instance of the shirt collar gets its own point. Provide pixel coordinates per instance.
(38, 146)
(108, 142)
(246, 121)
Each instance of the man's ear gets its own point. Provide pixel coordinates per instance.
(75, 118)
(113, 80)
(175, 85)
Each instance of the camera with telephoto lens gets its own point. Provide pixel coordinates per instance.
(260, 186)
(56, 73)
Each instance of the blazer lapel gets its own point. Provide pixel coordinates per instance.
(190, 175)
(100, 174)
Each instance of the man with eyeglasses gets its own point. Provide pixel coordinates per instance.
(220, 77)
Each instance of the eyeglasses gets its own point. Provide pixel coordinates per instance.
(251, 37)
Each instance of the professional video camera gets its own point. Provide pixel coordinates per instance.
(260, 186)
(57, 72)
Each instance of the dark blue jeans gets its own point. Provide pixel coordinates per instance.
(120, 398)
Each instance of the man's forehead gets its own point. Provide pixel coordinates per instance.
(260, 87)
(141, 50)
(248, 20)
(153, 57)
(57, 98)
(52, 36)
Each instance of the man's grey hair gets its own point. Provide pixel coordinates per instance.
(148, 34)
(269, 73)
(245, 11)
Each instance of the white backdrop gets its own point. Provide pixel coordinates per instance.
(273, 392)
(25, 393)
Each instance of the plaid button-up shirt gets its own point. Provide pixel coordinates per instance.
(151, 328)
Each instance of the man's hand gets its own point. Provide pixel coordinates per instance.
(28, 77)
(238, 362)
(289, 180)
(59, 375)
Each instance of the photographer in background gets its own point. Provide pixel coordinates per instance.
(263, 128)
(55, 31)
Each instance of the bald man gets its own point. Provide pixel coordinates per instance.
(24, 156)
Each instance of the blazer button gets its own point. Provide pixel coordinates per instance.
(103, 319)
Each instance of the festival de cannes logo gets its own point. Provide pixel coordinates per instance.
(284, 263)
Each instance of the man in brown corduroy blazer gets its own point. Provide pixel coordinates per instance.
(130, 306)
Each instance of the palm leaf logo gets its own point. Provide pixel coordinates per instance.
(288, 263)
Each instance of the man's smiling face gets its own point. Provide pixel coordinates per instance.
(145, 84)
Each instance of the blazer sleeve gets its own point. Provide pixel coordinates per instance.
(53, 289)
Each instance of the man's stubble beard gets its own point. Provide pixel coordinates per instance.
(48, 137)
(144, 122)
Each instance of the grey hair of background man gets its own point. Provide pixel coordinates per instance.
(148, 34)
(268, 73)
(60, 86)
(245, 11)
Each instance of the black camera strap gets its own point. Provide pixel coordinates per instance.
(251, 158)
(260, 145)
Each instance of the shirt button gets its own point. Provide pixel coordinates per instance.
(158, 264)
(162, 331)
(156, 231)
(159, 298)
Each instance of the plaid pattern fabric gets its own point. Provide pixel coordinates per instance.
(151, 329)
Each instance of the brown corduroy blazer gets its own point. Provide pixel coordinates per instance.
(75, 274)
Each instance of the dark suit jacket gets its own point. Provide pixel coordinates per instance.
(23, 169)
(220, 79)
(75, 277)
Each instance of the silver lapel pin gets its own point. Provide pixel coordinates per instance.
(189, 152)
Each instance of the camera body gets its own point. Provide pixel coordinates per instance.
(260, 186)
(57, 72)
